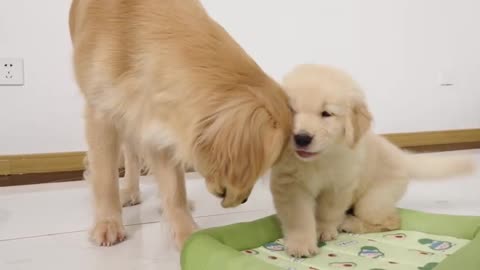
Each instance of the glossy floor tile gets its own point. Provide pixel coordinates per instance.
(45, 226)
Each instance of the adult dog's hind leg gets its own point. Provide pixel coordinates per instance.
(103, 156)
(171, 181)
(130, 194)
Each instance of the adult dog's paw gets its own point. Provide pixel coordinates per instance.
(129, 197)
(108, 232)
(182, 234)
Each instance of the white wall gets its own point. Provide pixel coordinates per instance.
(45, 115)
(395, 49)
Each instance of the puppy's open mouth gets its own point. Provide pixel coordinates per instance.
(305, 154)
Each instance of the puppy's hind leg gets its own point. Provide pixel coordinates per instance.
(376, 208)
(353, 224)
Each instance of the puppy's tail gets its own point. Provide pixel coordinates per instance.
(428, 166)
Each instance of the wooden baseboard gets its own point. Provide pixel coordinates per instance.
(39, 178)
(430, 138)
(55, 167)
(41, 163)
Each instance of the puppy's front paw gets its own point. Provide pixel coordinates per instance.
(129, 197)
(327, 232)
(301, 247)
(108, 232)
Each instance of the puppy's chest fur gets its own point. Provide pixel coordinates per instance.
(337, 170)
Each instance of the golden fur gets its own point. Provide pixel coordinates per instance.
(345, 166)
(164, 79)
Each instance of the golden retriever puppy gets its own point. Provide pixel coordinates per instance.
(165, 79)
(335, 163)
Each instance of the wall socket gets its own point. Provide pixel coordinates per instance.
(11, 71)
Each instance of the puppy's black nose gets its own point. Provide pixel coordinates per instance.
(244, 201)
(302, 140)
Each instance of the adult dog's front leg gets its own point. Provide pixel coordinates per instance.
(171, 181)
(295, 209)
(103, 156)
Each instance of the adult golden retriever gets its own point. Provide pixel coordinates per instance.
(335, 162)
(163, 78)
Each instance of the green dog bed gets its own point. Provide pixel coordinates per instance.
(425, 242)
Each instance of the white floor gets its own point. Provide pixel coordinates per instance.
(45, 226)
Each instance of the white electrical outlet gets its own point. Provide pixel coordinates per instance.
(11, 71)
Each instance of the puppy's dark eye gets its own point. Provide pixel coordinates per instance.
(326, 114)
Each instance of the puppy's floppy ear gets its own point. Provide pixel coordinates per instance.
(358, 121)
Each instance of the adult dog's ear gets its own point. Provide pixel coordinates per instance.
(230, 142)
(358, 121)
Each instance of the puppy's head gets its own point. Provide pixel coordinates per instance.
(329, 109)
(240, 138)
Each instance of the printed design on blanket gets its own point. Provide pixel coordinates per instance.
(274, 246)
(370, 252)
(396, 250)
(436, 244)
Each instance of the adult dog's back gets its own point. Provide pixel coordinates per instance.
(162, 76)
